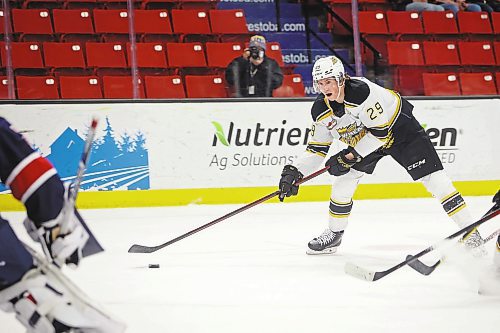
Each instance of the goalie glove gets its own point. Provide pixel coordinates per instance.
(63, 248)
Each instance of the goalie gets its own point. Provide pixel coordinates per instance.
(374, 122)
(43, 303)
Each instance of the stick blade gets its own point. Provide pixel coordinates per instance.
(136, 248)
(421, 267)
(359, 272)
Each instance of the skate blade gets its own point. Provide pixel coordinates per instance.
(331, 250)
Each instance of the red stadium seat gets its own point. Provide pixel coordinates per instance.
(292, 86)
(404, 22)
(24, 55)
(441, 53)
(2, 23)
(476, 53)
(207, 86)
(120, 87)
(152, 21)
(148, 55)
(477, 84)
(372, 22)
(80, 87)
(230, 21)
(474, 23)
(221, 54)
(63, 55)
(4, 88)
(77, 22)
(164, 87)
(32, 22)
(105, 55)
(441, 84)
(36, 87)
(497, 52)
(273, 50)
(495, 22)
(191, 22)
(439, 23)
(405, 53)
(186, 55)
(111, 23)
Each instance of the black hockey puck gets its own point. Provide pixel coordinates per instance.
(154, 265)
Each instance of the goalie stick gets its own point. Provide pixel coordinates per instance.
(369, 275)
(425, 269)
(136, 248)
(92, 246)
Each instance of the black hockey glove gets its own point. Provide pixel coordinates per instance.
(339, 164)
(289, 176)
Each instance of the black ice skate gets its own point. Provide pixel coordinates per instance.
(326, 243)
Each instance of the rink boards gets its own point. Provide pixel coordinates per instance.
(171, 153)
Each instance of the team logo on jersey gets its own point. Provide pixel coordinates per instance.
(352, 133)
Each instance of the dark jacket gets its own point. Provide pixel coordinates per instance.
(241, 74)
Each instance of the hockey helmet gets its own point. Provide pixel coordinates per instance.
(326, 67)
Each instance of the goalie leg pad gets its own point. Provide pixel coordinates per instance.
(43, 304)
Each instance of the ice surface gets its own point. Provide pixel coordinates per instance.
(250, 273)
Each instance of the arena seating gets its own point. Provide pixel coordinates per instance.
(82, 49)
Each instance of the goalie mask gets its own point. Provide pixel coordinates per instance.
(328, 67)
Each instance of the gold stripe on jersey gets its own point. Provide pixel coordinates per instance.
(325, 114)
(350, 105)
(388, 125)
(318, 148)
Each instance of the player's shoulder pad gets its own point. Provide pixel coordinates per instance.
(319, 108)
(356, 92)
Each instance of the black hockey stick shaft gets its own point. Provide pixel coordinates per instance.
(374, 276)
(136, 248)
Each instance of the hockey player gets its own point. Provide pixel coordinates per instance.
(374, 122)
(42, 302)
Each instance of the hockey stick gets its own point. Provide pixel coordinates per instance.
(149, 249)
(368, 275)
(92, 246)
(424, 269)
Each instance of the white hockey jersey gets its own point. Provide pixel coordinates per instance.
(364, 121)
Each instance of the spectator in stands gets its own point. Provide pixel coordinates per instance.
(253, 74)
(438, 6)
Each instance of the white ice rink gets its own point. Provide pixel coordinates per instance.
(250, 273)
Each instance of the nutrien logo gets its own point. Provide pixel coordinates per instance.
(444, 141)
(259, 135)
